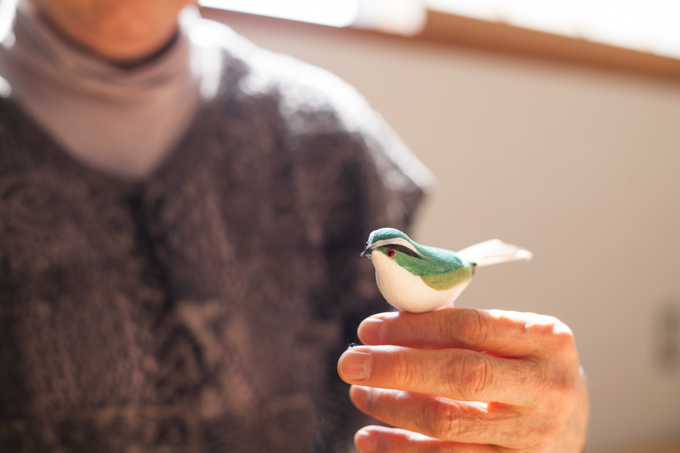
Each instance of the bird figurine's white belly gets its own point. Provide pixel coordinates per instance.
(409, 292)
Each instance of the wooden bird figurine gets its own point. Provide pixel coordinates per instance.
(418, 278)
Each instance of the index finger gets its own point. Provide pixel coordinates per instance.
(457, 374)
(503, 333)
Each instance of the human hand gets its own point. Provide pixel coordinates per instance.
(464, 380)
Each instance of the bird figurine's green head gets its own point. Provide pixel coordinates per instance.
(419, 278)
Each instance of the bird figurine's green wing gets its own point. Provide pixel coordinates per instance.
(419, 278)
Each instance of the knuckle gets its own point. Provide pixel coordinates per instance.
(472, 326)
(566, 388)
(534, 380)
(402, 371)
(554, 386)
(444, 423)
(473, 374)
(557, 392)
(547, 435)
(550, 331)
(539, 434)
(562, 334)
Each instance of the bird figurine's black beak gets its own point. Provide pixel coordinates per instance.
(367, 251)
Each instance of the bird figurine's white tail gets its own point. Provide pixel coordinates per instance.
(493, 251)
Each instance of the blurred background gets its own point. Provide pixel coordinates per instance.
(554, 125)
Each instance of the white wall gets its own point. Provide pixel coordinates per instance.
(581, 167)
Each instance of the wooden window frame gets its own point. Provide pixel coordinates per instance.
(464, 32)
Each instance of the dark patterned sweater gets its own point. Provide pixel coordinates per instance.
(204, 308)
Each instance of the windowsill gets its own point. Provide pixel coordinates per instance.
(459, 31)
(499, 37)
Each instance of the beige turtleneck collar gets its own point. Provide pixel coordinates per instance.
(120, 121)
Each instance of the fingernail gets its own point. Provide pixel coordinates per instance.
(364, 441)
(355, 365)
(372, 331)
(361, 397)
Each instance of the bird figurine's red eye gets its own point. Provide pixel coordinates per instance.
(391, 253)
